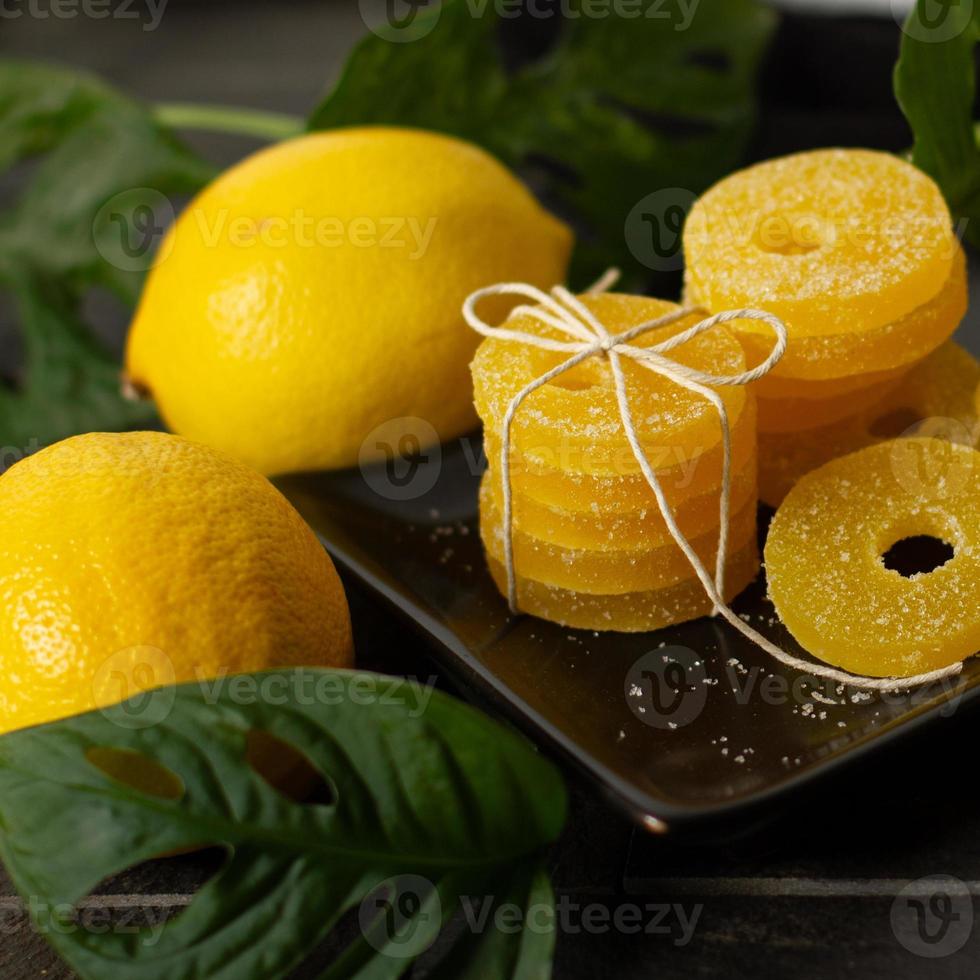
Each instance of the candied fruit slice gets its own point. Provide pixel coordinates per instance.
(774, 388)
(605, 572)
(629, 612)
(579, 409)
(826, 558)
(825, 240)
(578, 482)
(617, 532)
(895, 345)
(934, 398)
(802, 414)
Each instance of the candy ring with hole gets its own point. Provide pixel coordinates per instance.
(577, 413)
(598, 530)
(873, 560)
(829, 364)
(831, 241)
(628, 612)
(608, 571)
(934, 399)
(590, 482)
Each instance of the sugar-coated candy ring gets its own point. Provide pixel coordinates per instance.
(805, 414)
(829, 241)
(821, 389)
(605, 572)
(579, 408)
(934, 399)
(645, 528)
(584, 482)
(629, 612)
(896, 345)
(830, 584)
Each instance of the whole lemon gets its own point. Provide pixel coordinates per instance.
(312, 294)
(133, 560)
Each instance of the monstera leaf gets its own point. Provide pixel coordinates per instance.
(429, 803)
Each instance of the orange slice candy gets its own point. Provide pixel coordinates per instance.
(824, 558)
(849, 356)
(831, 241)
(607, 572)
(803, 414)
(622, 532)
(935, 398)
(628, 612)
(580, 483)
(578, 412)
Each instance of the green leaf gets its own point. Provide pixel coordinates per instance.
(428, 789)
(520, 944)
(100, 168)
(620, 108)
(934, 85)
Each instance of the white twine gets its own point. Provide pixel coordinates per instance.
(589, 338)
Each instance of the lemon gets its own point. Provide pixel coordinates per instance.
(312, 294)
(130, 561)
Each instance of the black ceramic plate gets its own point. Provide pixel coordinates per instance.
(681, 727)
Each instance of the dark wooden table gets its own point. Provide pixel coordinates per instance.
(817, 894)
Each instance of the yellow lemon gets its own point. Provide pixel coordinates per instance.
(130, 561)
(312, 294)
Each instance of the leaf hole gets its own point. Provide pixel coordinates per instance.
(137, 771)
(918, 554)
(287, 770)
(674, 127)
(186, 872)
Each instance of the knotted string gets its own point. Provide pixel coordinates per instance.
(588, 337)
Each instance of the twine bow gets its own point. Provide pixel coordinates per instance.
(588, 337)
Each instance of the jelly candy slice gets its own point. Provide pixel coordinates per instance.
(579, 411)
(570, 481)
(830, 241)
(934, 399)
(616, 532)
(833, 588)
(605, 572)
(837, 356)
(629, 612)
(804, 414)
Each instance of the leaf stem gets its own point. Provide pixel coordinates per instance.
(228, 119)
